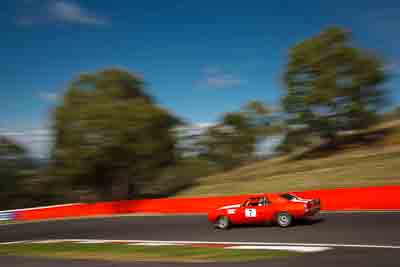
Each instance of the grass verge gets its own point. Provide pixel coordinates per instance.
(353, 165)
(126, 253)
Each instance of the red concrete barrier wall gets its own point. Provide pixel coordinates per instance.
(364, 198)
(367, 198)
(167, 205)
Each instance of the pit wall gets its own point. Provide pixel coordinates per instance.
(345, 199)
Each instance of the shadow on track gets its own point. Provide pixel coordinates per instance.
(296, 223)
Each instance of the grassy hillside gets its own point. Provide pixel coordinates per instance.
(357, 159)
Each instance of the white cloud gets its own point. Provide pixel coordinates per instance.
(37, 141)
(58, 11)
(73, 13)
(211, 70)
(215, 77)
(41, 132)
(222, 81)
(10, 134)
(204, 124)
(393, 68)
(49, 97)
(195, 129)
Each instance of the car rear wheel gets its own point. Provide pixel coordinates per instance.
(284, 219)
(222, 223)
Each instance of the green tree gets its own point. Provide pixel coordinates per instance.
(13, 162)
(231, 142)
(331, 85)
(397, 112)
(258, 108)
(264, 120)
(258, 114)
(110, 136)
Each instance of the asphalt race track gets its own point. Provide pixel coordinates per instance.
(382, 229)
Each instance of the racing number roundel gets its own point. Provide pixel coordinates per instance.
(250, 212)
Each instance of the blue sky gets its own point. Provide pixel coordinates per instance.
(199, 58)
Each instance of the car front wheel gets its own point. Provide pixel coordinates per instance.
(284, 219)
(222, 223)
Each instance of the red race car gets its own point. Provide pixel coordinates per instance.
(258, 209)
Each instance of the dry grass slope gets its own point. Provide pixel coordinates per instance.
(366, 162)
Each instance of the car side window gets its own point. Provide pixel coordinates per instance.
(250, 203)
(263, 201)
(256, 202)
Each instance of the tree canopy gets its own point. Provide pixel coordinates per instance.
(231, 141)
(14, 161)
(332, 85)
(109, 132)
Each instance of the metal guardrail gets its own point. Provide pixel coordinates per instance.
(6, 216)
(13, 215)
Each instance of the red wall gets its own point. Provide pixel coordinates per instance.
(367, 198)
(167, 205)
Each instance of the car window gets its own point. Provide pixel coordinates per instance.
(264, 201)
(246, 203)
(256, 202)
(288, 196)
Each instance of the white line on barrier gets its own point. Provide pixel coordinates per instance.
(14, 242)
(43, 207)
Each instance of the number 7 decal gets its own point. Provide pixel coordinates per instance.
(250, 212)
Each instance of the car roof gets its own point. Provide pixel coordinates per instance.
(256, 195)
(262, 195)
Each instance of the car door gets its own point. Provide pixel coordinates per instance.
(258, 213)
(255, 211)
(253, 214)
(269, 210)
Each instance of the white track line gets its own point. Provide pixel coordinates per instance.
(260, 243)
(287, 248)
(93, 241)
(214, 243)
(150, 244)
